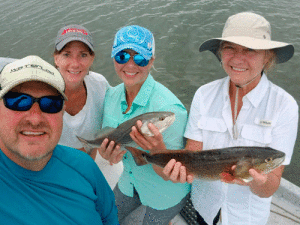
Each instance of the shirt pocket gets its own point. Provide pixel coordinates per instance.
(214, 132)
(212, 124)
(257, 133)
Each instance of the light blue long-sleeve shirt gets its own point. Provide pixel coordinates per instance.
(153, 96)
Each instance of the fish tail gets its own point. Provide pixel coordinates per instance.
(138, 156)
(88, 148)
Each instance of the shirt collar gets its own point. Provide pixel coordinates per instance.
(144, 94)
(255, 95)
(145, 91)
(226, 89)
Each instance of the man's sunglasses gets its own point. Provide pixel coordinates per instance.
(23, 102)
(123, 57)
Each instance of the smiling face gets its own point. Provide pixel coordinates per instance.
(242, 64)
(130, 73)
(30, 136)
(74, 62)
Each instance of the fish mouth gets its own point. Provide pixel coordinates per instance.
(266, 167)
(271, 164)
(162, 123)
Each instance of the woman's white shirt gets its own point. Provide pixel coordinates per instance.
(88, 123)
(268, 117)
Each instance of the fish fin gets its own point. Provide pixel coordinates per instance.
(88, 148)
(137, 155)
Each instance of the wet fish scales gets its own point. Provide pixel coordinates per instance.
(210, 164)
(121, 135)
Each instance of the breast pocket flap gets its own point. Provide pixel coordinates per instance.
(257, 133)
(212, 124)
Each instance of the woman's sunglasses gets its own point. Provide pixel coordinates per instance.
(23, 102)
(123, 57)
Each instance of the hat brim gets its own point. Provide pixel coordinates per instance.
(26, 79)
(145, 53)
(59, 46)
(284, 51)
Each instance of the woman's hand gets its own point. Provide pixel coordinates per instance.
(154, 142)
(111, 152)
(177, 173)
(263, 185)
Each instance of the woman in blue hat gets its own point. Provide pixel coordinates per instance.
(142, 194)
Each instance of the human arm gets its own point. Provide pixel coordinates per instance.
(150, 143)
(265, 185)
(155, 142)
(175, 171)
(111, 152)
(171, 138)
(262, 185)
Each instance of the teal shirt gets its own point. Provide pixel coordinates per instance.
(69, 190)
(153, 96)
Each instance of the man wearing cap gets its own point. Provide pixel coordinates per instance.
(42, 182)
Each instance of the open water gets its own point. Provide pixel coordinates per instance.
(179, 26)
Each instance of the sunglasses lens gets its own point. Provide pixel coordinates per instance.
(122, 57)
(17, 101)
(51, 104)
(23, 102)
(140, 60)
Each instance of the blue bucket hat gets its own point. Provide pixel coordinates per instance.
(136, 38)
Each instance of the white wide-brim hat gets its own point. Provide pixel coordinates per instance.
(251, 31)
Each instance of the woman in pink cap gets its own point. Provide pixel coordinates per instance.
(74, 55)
(242, 109)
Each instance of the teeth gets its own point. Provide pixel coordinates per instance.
(74, 72)
(130, 74)
(32, 133)
(238, 69)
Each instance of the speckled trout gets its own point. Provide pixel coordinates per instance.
(209, 164)
(120, 135)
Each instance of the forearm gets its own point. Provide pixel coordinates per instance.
(270, 186)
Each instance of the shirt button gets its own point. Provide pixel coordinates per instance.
(130, 172)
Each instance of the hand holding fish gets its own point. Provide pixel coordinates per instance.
(176, 172)
(147, 142)
(262, 184)
(111, 152)
(210, 164)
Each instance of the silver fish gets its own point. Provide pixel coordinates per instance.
(120, 135)
(210, 164)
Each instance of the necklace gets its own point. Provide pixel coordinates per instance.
(234, 128)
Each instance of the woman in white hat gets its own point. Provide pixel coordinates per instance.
(242, 109)
(74, 55)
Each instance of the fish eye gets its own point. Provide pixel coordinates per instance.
(161, 118)
(268, 160)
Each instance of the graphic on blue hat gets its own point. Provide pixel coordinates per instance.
(136, 38)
